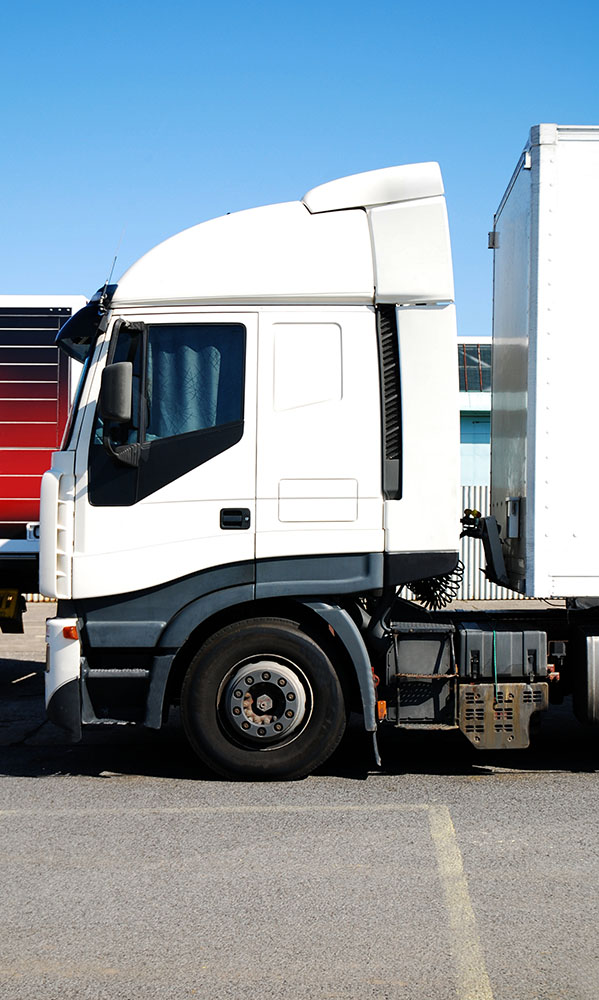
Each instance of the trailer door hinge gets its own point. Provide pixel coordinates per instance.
(494, 240)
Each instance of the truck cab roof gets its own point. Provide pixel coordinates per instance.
(379, 236)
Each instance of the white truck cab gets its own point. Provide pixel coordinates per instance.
(286, 428)
(263, 450)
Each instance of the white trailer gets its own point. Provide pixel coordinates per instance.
(545, 360)
(264, 450)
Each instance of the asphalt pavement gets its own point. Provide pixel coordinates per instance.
(128, 871)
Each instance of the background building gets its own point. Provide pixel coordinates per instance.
(474, 364)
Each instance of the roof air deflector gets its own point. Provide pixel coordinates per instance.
(377, 187)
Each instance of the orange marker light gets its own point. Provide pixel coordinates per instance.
(70, 632)
(381, 710)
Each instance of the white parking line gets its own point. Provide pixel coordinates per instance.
(473, 981)
(471, 975)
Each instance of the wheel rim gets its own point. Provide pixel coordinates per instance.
(266, 701)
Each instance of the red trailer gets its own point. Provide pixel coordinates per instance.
(36, 387)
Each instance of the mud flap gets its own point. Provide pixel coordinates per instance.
(64, 709)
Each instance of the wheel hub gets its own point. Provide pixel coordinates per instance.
(265, 700)
(264, 703)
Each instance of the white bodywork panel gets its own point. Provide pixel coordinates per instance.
(63, 656)
(427, 516)
(545, 362)
(412, 252)
(319, 439)
(57, 512)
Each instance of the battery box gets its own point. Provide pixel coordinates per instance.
(484, 653)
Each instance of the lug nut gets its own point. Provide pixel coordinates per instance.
(249, 680)
(291, 696)
(245, 725)
(237, 710)
(266, 676)
(289, 713)
(278, 727)
(237, 694)
(262, 731)
(282, 682)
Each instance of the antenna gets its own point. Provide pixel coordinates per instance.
(107, 282)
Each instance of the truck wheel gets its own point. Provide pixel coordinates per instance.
(261, 700)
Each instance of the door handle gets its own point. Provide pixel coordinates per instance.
(235, 518)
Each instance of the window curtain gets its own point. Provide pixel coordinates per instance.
(193, 379)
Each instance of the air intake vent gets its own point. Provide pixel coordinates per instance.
(390, 401)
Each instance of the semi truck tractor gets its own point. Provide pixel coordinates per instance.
(36, 381)
(254, 514)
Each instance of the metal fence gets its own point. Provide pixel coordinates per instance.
(475, 586)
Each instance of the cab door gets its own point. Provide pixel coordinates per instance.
(171, 493)
(319, 443)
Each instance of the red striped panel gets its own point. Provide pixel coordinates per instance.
(28, 436)
(28, 373)
(23, 463)
(19, 487)
(34, 402)
(27, 390)
(32, 338)
(20, 510)
(28, 411)
(28, 355)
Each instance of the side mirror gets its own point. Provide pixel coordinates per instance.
(116, 392)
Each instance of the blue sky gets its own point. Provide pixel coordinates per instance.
(136, 120)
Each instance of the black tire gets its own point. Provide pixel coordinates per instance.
(290, 674)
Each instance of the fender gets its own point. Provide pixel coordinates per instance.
(176, 633)
(349, 634)
(180, 628)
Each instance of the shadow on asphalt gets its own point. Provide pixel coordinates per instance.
(32, 747)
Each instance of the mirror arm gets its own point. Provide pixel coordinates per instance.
(124, 454)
